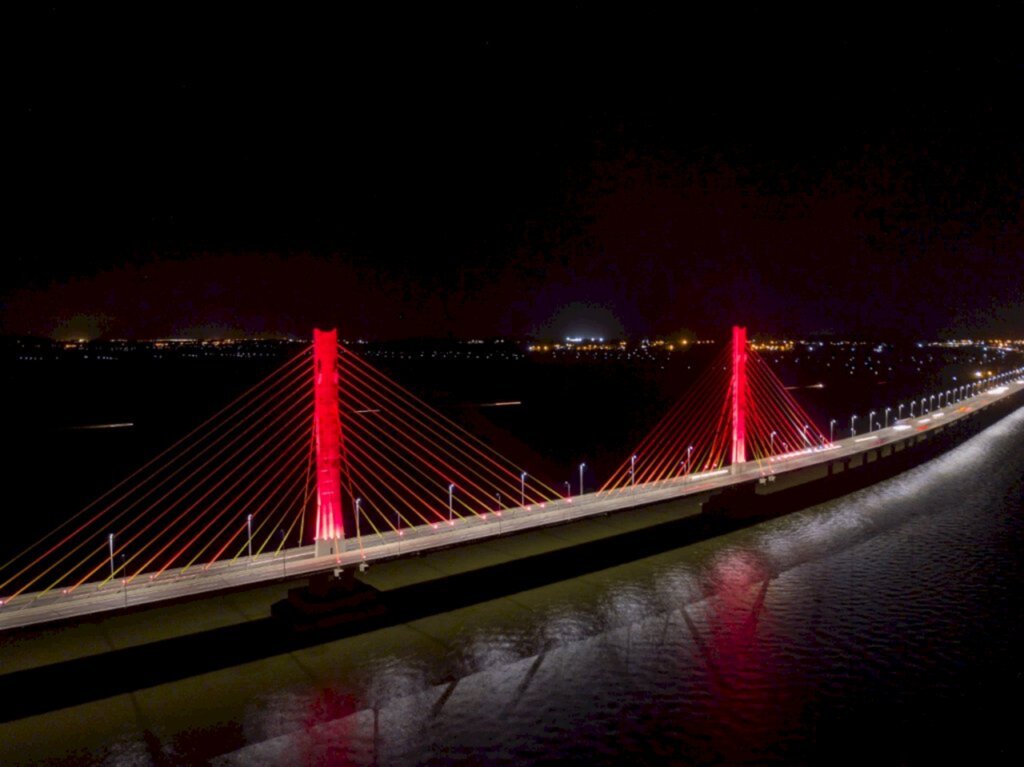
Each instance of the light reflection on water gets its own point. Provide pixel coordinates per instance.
(879, 618)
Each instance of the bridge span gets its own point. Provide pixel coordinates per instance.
(363, 551)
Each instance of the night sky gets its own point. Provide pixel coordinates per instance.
(470, 173)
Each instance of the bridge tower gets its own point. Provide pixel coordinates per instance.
(738, 393)
(329, 531)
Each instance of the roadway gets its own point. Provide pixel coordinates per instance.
(89, 599)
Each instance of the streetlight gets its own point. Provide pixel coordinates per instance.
(522, 489)
(923, 401)
(284, 557)
(807, 428)
(912, 409)
(899, 414)
(940, 399)
(887, 411)
(832, 430)
(568, 492)
(358, 513)
(451, 489)
(930, 401)
(110, 540)
(853, 431)
(871, 421)
(689, 466)
(497, 509)
(248, 524)
(771, 442)
(582, 467)
(632, 472)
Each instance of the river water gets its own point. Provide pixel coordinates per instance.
(883, 627)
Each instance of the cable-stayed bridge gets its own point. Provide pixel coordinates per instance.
(328, 463)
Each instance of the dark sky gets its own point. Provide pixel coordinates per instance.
(510, 171)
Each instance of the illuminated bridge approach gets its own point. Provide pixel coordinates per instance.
(328, 463)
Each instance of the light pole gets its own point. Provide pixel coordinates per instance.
(689, 466)
(497, 508)
(110, 541)
(923, 402)
(568, 492)
(899, 413)
(807, 428)
(931, 400)
(871, 421)
(451, 490)
(771, 443)
(853, 431)
(912, 403)
(284, 557)
(940, 399)
(887, 411)
(632, 471)
(248, 524)
(832, 430)
(582, 467)
(522, 489)
(359, 539)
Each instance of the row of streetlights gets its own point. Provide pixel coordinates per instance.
(451, 507)
(956, 394)
(952, 395)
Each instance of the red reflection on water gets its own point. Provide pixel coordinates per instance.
(326, 746)
(751, 701)
(327, 706)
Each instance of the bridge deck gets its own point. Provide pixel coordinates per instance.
(89, 599)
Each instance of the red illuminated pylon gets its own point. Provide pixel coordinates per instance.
(330, 532)
(738, 391)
